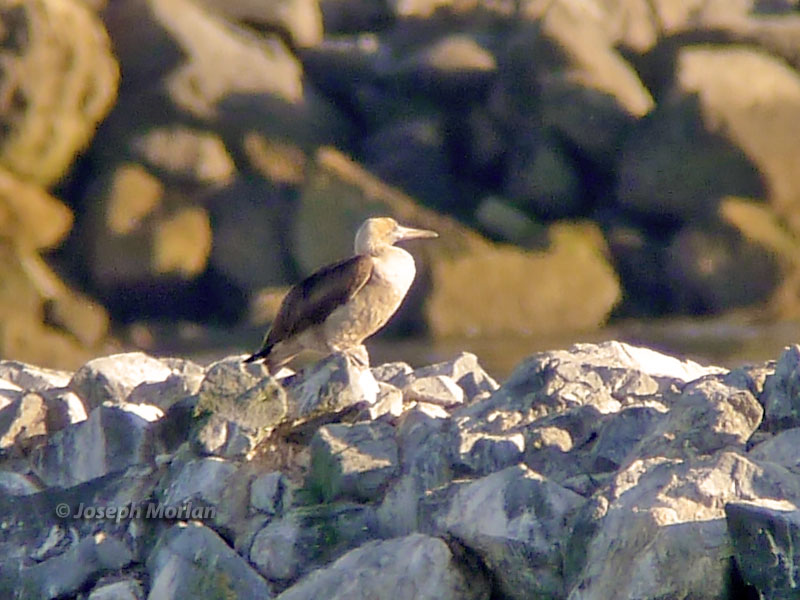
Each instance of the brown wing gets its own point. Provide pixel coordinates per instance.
(313, 299)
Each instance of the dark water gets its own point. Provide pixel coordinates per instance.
(728, 342)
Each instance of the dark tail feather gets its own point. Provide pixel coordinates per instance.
(263, 353)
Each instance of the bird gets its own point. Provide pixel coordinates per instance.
(337, 307)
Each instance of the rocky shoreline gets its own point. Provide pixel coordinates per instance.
(602, 471)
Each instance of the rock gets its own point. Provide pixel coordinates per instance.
(300, 19)
(411, 153)
(68, 572)
(112, 378)
(186, 154)
(271, 493)
(307, 538)
(22, 419)
(389, 401)
(428, 451)
(727, 83)
(780, 449)
(708, 416)
(486, 453)
(781, 397)
(244, 395)
(124, 589)
(138, 233)
(764, 539)
(522, 541)
(329, 386)
(435, 389)
(43, 320)
(190, 560)
(650, 518)
(577, 73)
(248, 215)
(111, 439)
(450, 313)
(352, 15)
(164, 394)
(221, 437)
(352, 461)
(453, 65)
(619, 433)
(32, 217)
(763, 232)
(199, 481)
(602, 375)
(500, 220)
(63, 407)
(542, 180)
(392, 373)
(233, 81)
(463, 369)
(55, 115)
(702, 263)
(16, 484)
(416, 566)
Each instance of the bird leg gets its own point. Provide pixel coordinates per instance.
(358, 356)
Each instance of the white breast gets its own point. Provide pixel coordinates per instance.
(396, 268)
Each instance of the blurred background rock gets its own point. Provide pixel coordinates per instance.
(168, 167)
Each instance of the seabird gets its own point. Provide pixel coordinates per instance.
(336, 308)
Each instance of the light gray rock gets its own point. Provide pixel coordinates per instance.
(765, 540)
(661, 521)
(389, 401)
(352, 461)
(464, 369)
(606, 376)
(31, 377)
(392, 372)
(10, 393)
(428, 450)
(781, 397)
(780, 449)
(191, 561)
(125, 589)
(707, 416)
(516, 521)
(484, 453)
(22, 419)
(416, 567)
(618, 434)
(109, 440)
(112, 378)
(307, 538)
(328, 386)
(201, 480)
(17, 484)
(271, 493)
(68, 572)
(64, 408)
(434, 389)
(164, 394)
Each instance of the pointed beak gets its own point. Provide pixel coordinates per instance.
(409, 233)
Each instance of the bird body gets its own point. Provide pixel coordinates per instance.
(339, 306)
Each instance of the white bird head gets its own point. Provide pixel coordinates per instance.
(380, 232)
